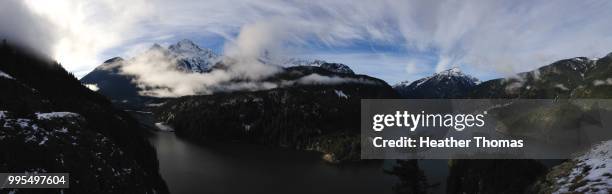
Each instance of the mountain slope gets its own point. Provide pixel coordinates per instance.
(120, 88)
(187, 56)
(65, 127)
(570, 78)
(111, 83)
(451, 83)
(591, 172)
(333, 67)
(320, 117)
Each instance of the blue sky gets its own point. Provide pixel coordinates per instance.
(394, 40)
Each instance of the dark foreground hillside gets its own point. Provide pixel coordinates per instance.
(51, 123)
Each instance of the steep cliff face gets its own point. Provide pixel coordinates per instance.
(50, 122)
(323, 117)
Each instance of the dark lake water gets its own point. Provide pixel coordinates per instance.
(190, 167)
(225, 167)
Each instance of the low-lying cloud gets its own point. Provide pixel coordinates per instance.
(155, 72)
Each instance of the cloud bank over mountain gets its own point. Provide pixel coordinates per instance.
(20, 26)
(487, 37)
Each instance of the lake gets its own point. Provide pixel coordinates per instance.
(190, 167)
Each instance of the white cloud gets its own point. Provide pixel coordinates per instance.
(84, 30)
(498, 36)
(92, 87)
(22, 27)
(155, 73)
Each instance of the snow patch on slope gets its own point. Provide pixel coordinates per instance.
(30, 130)
(602, 82)
(5, 75)
(341, 94)
(592, 172)
(53, 115)
(163, 127)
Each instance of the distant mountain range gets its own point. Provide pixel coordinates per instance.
(578, 77)
(290, 124)
(189, 57)
(322, 117)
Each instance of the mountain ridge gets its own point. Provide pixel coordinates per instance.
(450, 83)
(47, 111)
(189, 58)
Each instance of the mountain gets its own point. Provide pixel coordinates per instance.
(333, 67)
(305, 116)
(110, 82)
(50, 122)
(192, 58)
(578, 77)
(189, 57)
(451, 83)
(119, 87)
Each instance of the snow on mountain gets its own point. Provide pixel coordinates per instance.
(192, 58)
(53, 115)
(5, 75)
(448, 83)
(591, 172)
(189, 57)
(341, 94)
(333, 67)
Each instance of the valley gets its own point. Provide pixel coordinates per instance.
(305, 97)
(274, 127)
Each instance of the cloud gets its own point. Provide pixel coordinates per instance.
(316, 79)
(155, 72)
(493, 37)
(92, 87)
(25, 28)
(82, 30)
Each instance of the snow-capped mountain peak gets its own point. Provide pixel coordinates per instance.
(453, 73)
(333, 67)
(191, 58)
(448, 83)
(184, 45)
